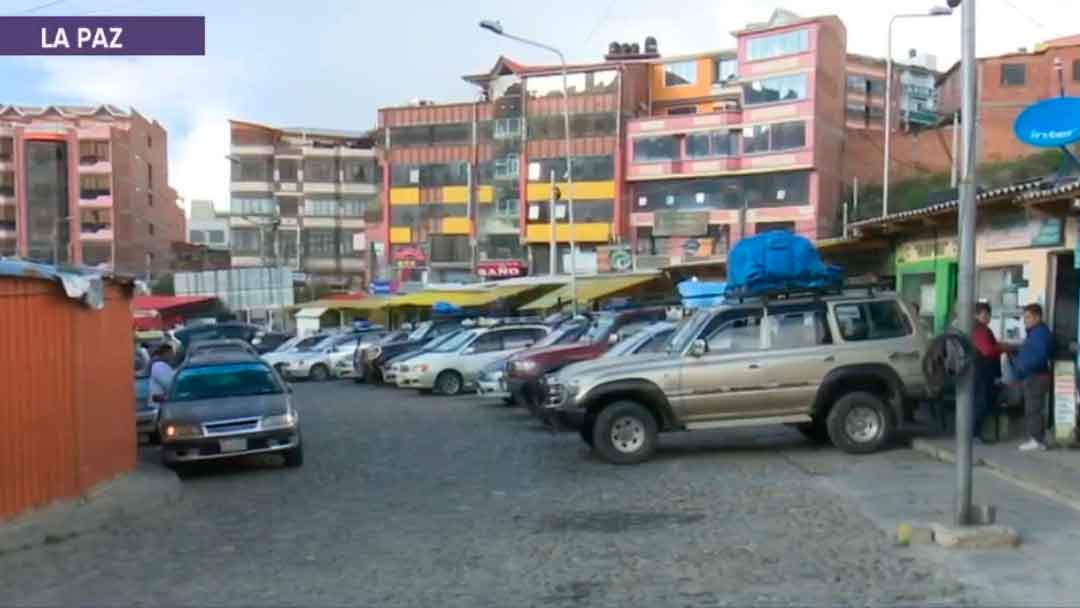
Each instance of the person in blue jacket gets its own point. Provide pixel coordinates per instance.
(1031, 365)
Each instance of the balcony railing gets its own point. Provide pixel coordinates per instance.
(94, 193)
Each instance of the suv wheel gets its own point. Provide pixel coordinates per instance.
(860, 423)
(319, 373)
(448, 383)
(624, 433)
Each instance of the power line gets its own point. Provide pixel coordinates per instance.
(41, 6)
(1024, 15)
(603, 17)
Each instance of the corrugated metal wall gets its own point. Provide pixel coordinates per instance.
(67, 408)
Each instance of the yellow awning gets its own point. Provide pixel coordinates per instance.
(368, 303)
(465, 299)
(589, 289)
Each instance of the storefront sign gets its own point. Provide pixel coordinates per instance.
(502, 270)
(1049, 123)
(642, 220)
(1023, 229)
(409, 257)
(925, 249)
(616, 258)
(359, 241)
(681, 223)
(382, 287)
(1064, 399)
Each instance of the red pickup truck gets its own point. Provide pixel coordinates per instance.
(525, 369)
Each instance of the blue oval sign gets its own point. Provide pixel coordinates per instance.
(1049, 123)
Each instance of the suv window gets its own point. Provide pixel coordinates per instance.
(520, 338)
(489, 342)
(871, 321)
(736, 335)
(631, 328)
(798, 329)
(656, 343)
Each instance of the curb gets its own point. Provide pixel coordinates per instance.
(147, 489)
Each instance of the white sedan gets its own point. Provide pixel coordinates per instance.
(455, 365)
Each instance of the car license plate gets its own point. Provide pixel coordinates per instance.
(233, 445)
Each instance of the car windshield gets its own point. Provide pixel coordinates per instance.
(393, 336)
(629, 345)
(420, 331)
(288, 344)
(313, 343)
(221, 381)
(455, 343)
(600, 328)
(443, 339)
(562, 335)
(687, 330)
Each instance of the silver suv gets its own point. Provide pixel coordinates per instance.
(839, 368)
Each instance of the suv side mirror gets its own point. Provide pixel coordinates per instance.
(613, 339)
(698, 348)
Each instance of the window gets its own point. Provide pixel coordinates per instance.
(320, 208)
(1013, 74)
(773, 138)
(288, 169)
(875, 87)
(585, 125)
(357, 171)
(7, 148)
(506, 167)
(7, 183)
(405, 175)
(197, 236)
(448, 174)
(450, 248)
(507, 208)
(586, 169)
(320, 170)
(680, 110)
(150, 229)
(761, 227)
(216, 237)
(1075, 64)
(707, 144)
(576, 84)
(507, 128)
(871, 321)
(734, 335)
(725, 69)
(149, 142)
(222, 381)
(252, 170)
(149, 176)
(92, 186)
(90, 152)
(429, 135)
(680, 73)
(353, 208)
(756, 139)
(252, 206)
(245, 240)
(798, 329)
(655, 148)
(779, 88)
(777, 189)
(515, 339)
(320, 242)
(149, 199)
(788, 43)
(856, 84)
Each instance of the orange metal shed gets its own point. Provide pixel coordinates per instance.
(67, 414)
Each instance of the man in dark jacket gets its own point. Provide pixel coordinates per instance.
(987, 366)
(1032, 368)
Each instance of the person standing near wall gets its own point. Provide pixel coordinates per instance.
(1032, 368)
(987, 366)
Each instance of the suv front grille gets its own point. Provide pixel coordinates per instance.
(226, 427)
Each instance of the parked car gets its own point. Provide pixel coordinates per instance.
(203, 346)
(375, 357)
(357, 362)
(146, 411)
(454, 366)
(232, 330)
(841, 368)
(316, 363)
(525, 370)
(491, 382)
(280, 358)
(268, 341)
(341, 361)
(227, 404)
(393, 366)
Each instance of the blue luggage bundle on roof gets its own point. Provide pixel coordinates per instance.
(702, 294)
(778, 261)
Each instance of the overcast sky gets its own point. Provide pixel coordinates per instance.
(331, 63)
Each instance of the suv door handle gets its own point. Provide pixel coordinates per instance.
(830, 359)
(754, 366)
(898, 356)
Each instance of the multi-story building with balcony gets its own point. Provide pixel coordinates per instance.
(87, 185)
(207, 226)
(739, 142)
(306, 199)
(468, 185)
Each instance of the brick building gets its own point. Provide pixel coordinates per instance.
(87, 185)
(304, 198)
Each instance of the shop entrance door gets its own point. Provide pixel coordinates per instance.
(1063, 312)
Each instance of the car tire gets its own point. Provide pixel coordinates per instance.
(624, 433)
(860, 423)
(814, 432)
(319, 373)
(449, 383)
(509, 401)
(153, 438)
(586, 430)
(295, 457)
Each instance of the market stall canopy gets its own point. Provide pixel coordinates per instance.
(311, 312)
(366, 304)
(470, 298)
(590, 289)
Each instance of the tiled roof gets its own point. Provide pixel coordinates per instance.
(1002, 193)
(1051, 193)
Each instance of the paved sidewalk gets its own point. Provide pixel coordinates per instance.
(143, 492)
(1054, 474)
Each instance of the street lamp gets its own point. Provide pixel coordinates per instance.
(496, 28)
(937, 11)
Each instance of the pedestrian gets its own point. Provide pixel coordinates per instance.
(1032, 368)
(987, 366)
(161, 372)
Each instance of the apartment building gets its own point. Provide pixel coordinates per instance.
(739, 142)
(914, 92)
(206, 226)
(306, 199)
(87, 185)
(467, 186)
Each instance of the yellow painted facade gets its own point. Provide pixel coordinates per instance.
(400, 235)
(583, 233)
(582, 191)
(404, 196)
(456, 225)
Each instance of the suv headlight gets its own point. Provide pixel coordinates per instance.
(280, 421)
(527, 365)
(179, 430)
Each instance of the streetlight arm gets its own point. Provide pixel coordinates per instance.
(541, 45)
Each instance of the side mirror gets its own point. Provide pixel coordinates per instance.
(613, 339)
(698, 348)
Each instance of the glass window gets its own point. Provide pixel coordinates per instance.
(252, 206)
(253, 169)
(507, 207)
(761, 227)
(680, 73)
(245, 240)
(428, 135)
(788, 135)
(507, 128)
(777, 189)
(455, 133)
(779, 88)
(755, 139)
(320, 208)
(222, 381)
(216, 236)
(798, 329)
(450, 248)
(7, 183)
(197, 236)
(357, 171)
(7, 148)
(489, 342)
(788, 43)
(1013, 74)
(734, 336)
(856, 84)
(655, 148)
(447, 174)
(682, 110)
(875, 87)
(712, 143)
(1075, 70)
(90, 152)
(405, 175)
(871, 321)
(725, 69)
(320, 242)
(320, 170)
(585, 125)
(288, 169)
(513, 339)
(353, 208)
(93, 186)
(506, 167)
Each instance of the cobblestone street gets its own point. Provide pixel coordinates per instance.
(414, 500)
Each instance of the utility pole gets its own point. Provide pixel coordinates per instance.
(966, 280)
